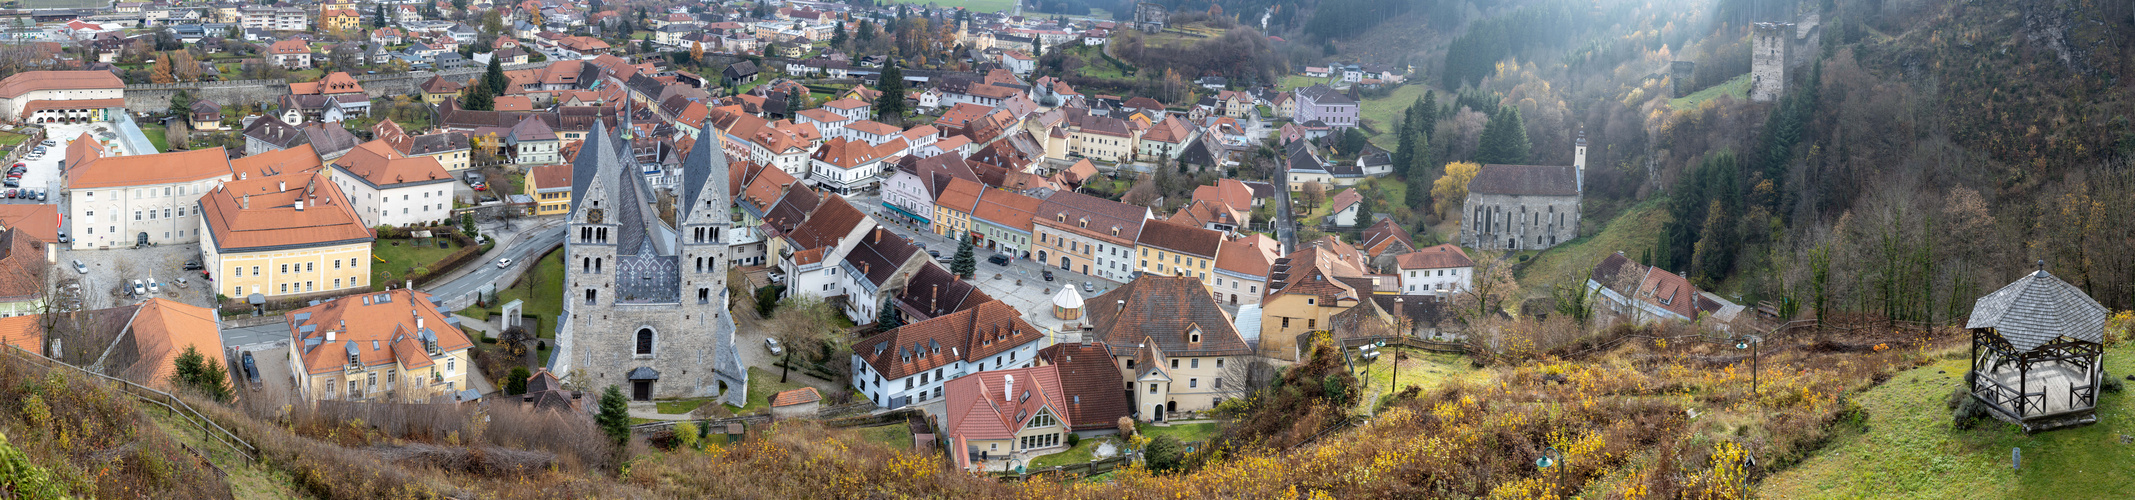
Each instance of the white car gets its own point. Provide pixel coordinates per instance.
(504, 263)
(772, 344)
(79, 268)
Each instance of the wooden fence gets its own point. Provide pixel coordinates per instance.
(1406, 341)
(177, 407)
(1085, 469)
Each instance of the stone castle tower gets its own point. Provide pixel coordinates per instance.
(1771, 47)
(645, 304)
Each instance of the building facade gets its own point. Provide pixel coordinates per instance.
(380, 347)
(646, 307)
(123, 201)
(283, 236)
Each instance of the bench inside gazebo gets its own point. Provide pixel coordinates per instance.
(2036, 349)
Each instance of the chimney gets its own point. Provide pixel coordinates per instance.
(280, 186)
(329, 335)
(1008, 388)
(300, 205)
(246, 203)
(878, 235)
(1122, 304)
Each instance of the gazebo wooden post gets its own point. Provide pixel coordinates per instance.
(2023, 379)
(1972, 385)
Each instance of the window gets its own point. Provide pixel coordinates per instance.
(1311, 323)
(285, 288)
(1152, 388)
(1286, 322)
(285, 269)
(239, 271)
(137, 215)
(337, 283)
(451, 364)
(1193, 383)
(644, 342)
(1174, 364)
(1195, 364)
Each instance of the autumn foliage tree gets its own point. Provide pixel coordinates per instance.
(1451, 189)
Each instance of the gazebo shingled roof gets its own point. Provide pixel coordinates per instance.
(2038, 308)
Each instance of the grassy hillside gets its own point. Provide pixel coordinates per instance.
(1636, 230)
(1738, 87)
(67, 436)
(1382, 114)
(1910, 450)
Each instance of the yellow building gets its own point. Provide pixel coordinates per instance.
(1168, 248)
(284, 236)
(1314, 284)
(388, 347)
(1170, 341)
(952, 211)
(344, 18)
(551, 185)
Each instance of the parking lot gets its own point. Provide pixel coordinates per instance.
(110, 270)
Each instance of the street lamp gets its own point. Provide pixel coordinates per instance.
(1552, 458)
(1750, 342)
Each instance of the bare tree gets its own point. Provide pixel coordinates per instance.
(1313, 195)
(1492, 286)
(803, 322)
(1244, 375)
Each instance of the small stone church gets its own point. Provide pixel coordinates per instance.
(645, 304)
(1524, 207)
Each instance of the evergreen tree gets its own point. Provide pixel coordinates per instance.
(380, 22)
(965, 264)
(886, 318)
(479, 98)
(1504, 139)
(614, 417)
(889, 108)
(494, 78)
(837, 35)
(194, 371)
(1428, 116)
(1418, 169)
(181, 102)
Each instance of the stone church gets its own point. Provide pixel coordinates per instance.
(1524, 207)
(645, 305)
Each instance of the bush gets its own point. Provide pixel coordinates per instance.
(517, 382)
(767, 299)
(1073, 439)
(1967, 412)
(686, 435)
(1164, 454)
(2111, 384)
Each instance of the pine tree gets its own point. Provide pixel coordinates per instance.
(886, 318)
(380, 22)
(837, 35)
(965, 264)
(194, 371)
(889, 108)
(479, 98)
(1504, 139)
(1429, 113)
(1418, 170)
(494, 78)
(614, 417)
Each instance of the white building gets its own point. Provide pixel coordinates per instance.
(123, 201)
(908, 365)
(40, 96)
(1440, 270)
(386, 188)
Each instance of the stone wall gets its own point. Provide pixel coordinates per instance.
(1496, 221)
(156, 97)
(150, 98)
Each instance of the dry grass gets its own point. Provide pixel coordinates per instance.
(95, 441)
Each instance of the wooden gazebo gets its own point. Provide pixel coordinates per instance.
(2036, 348)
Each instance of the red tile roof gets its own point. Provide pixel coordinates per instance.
(971, 334)
(28, 81)
(141, 170)
(260, 213)
(1090, 382)
(383, 328)
(1438, 257)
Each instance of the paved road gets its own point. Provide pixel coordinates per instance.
(256, 338)
(523, 248)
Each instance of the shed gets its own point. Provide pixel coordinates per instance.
(2037, 345)
(797, 403)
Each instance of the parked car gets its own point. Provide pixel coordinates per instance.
(80, 268)
(251, 368)
(1048, 274)
(154, 287)
(935, 253)
(63, 238)
(998, 259)
(1088, 288)
(772, 344)
(193, 265)
(137, 289)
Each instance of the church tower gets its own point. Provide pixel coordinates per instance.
(593, 230)
(706, 218)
